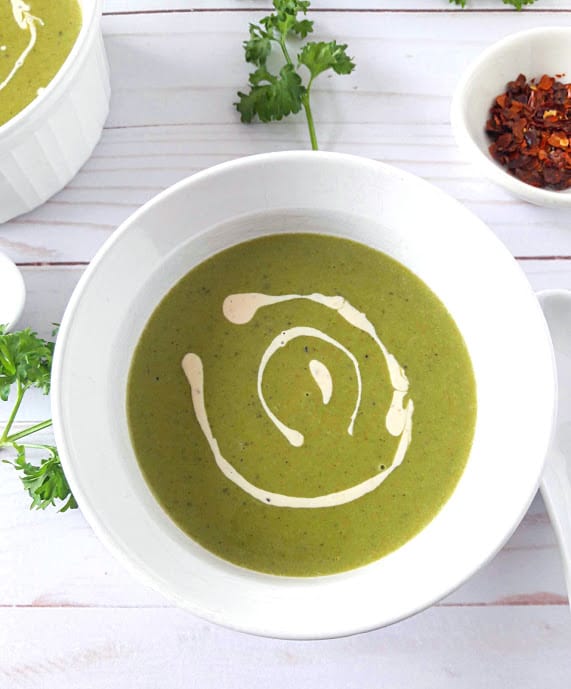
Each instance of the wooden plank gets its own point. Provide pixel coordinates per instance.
(75, 570)
(139, 6)
(523, 647)
(132, 165)
(400, 64)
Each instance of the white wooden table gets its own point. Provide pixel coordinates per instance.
(70, 616)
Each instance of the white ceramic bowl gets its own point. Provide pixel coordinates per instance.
(43, 147)
(533, 53)
(437, 238)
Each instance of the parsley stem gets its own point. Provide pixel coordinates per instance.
(310, 124)
(38, 446)
(285, 52)
(305, 99)
(19, 398)
(309, 117)
(28, 431)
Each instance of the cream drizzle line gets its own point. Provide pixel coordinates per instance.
(241, 308)
(192, 366)
(323, 379)
(27, 22)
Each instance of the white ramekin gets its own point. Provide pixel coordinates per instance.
(544, 50)
(43, 147)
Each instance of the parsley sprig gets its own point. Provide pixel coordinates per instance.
(518, 4)
(273, 96)
(25, 363)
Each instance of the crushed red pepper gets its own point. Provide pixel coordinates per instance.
(530, 127)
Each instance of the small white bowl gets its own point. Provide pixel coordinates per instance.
(12, 292)
(438, 239)
(43, 147)
(533, 53)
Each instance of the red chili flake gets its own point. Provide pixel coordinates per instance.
(559, 140)
(501, 100)
(530, 129)
(545, 83)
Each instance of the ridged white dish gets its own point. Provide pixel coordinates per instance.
(43, 147)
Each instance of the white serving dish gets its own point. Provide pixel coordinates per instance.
(534, 52)
(43, 147)
(437, 238)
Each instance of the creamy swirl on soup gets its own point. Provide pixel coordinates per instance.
(240, 309)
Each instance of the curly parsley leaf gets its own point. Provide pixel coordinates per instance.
(275, 96)
(26, 362)
(285, 21)
(25, 359)
(319, 57)
(271, 97)
(46, 483)
(258, 47)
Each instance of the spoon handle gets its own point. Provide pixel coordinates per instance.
(557, 496)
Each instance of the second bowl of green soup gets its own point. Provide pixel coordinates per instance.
(54, 96)
(308, 391)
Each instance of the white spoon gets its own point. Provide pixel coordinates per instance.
(556, 479)
(12, 292)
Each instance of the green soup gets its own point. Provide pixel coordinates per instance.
(301, 404)
(36, 36)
